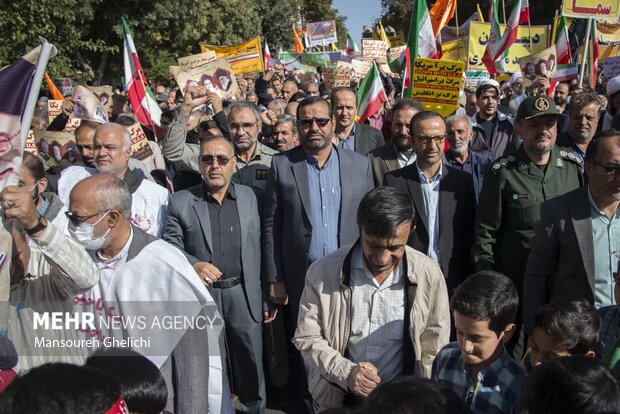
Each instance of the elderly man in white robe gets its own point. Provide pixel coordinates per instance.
(145, 280)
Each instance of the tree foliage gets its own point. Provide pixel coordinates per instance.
(89, 36)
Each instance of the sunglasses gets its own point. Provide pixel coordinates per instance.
(210, 159)
(77, 220)
(321, 122)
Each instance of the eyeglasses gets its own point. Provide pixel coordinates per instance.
(320, 122)
(439, 139)
(246, 126)
(77, 220)
(210, 159)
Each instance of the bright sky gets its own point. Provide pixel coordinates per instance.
(358, 14)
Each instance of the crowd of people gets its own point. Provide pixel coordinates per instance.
(409, 264)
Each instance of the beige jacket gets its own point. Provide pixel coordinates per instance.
(324, 323)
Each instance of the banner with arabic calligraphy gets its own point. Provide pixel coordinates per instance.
(244, 58)
(196, 61)
(437, 84)
(479, 37)
(455, 50)
(598, 9)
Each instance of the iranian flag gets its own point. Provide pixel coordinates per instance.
(562, 43)
(421, 39)
(351, 45)
(497, 48)
(371, 94)
(143, 104)
(266, 55)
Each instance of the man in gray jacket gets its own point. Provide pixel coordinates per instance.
(363, 299)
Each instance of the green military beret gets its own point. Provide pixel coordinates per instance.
(534, 106)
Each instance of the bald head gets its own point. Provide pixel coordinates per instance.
(98, 194)
(112, 149)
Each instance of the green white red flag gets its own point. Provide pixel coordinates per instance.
(351, 45)
(371, 94)
(421, 39)
(497, 48)
(562, 43)
(142, 101)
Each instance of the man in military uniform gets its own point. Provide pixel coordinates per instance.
(253, 158)
(513, 190)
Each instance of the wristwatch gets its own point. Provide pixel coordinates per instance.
(41, 225)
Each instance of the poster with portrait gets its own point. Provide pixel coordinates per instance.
(87, 106)
(539, 64)
(57, 148)
(217, 76)
(104, 94)
(321, 33)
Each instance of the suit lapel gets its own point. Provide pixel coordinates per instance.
(202, 211)
(300, 172)
(581, 218)
(446, 199)
(346, 185)
(391, 160)
(415, 190)
(244, 215)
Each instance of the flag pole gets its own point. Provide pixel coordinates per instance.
(504, 10)
(585, 53)
(554, 30)
(456, 17)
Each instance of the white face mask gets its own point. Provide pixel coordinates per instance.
(83, 234)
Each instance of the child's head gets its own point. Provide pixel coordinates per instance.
(484, 307)
(567, 385)
(564, 328)
(413, 395)
(62, 389)
(142, 384)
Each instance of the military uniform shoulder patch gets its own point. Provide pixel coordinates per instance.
(501, 163)
(572, 157)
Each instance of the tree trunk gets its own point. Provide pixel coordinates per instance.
(103, 64)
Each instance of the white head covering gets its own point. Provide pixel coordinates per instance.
(514, 78)
(613, 86)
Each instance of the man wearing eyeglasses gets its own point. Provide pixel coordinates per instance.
(313, 192)
(242, 126)
(253, 158)
(443, 197)
(143, 277)
(576, 246)
(216, 225)
(513, 190)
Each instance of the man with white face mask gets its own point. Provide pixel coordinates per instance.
(111, 151)
(47, 270)
(144, 277)
(459, 156)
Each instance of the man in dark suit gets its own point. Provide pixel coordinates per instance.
(352, 135)
(443, 198)
(216, 225)
(399, 153)
(576, 245)
(313, 192)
